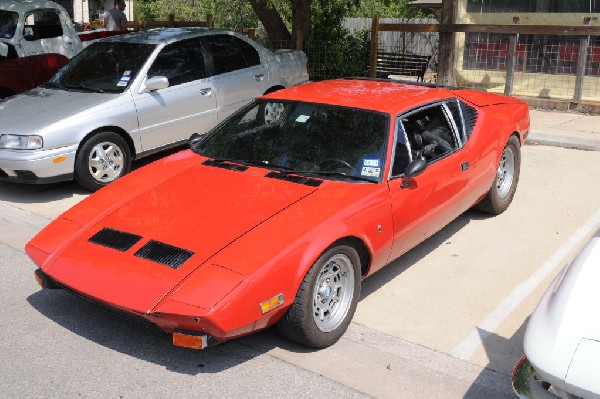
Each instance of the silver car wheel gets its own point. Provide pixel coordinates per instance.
(506, 172)
(106, 162)
(333, 292)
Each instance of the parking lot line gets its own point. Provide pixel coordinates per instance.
(467, 348)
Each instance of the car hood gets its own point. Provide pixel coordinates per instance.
(566, 320)
(191, 215)
(29, 112)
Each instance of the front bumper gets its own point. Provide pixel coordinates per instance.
(38, 166)
(527, 384)
(181, 337)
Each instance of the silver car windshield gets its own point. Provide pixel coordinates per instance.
(103, 67)
(313, 139)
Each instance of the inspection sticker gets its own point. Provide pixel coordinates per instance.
(370, 171)
(371, 162)
(302, 118)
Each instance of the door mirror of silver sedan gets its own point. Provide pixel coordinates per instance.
(414, 168)
(156, 83)
(194, 139)
(3, 50)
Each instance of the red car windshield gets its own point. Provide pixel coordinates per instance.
(318, 139)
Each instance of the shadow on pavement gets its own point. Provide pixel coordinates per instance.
(500, 351)
(99, 326)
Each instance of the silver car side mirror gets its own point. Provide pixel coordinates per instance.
(156, 83)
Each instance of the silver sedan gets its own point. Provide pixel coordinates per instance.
(130, 96)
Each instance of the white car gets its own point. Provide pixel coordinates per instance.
(562, 341)
(129, 96)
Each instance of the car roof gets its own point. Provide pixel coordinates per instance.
(383, 95)
(21, 6)
(164, 35)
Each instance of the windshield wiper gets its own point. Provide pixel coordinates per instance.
(327, 173)
(52, 85)
(84, 87)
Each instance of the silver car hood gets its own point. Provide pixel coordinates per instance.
(30, 112)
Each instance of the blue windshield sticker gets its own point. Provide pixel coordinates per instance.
(371, 162)
(302, 118)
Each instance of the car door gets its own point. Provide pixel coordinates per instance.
(45, 43)
(438, 195)
(239, 75)
(188, 105)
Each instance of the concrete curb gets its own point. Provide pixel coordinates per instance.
(563, 139)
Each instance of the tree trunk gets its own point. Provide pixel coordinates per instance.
(271, 20)
(300, 20)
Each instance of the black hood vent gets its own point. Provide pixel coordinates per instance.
(164, 254)
(307, 181)
(115, 239)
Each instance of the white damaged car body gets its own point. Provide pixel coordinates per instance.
(562, 340)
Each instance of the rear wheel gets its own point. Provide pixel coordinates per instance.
(326, 300)
(102, 159)
(507, 176)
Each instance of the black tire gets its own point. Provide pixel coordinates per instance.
(101, 159)
(507, 177)
(316, 295)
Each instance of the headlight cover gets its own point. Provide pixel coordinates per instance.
(17, 142)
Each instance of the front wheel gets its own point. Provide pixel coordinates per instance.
(102, 159)
(326, 299)
(505, 184)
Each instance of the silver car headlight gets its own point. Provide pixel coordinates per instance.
(17, 142)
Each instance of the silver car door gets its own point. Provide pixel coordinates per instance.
(188, 105)
(239, 75)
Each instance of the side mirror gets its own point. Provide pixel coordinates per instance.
(156, 83)
(414, 168)
(195, 139)
(28, 34)
(3, 50)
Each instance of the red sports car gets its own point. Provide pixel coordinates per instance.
(277, 214)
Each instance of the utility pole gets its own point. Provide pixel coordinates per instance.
(447, 49)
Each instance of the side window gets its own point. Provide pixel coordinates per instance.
(180, 62)
(250, 54)
(227, 54)
(401, 153)
(454, 108)
(42, 24)
(429, 133)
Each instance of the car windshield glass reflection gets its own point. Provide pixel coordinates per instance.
(316, 139)
(103, 67)
(8, 23)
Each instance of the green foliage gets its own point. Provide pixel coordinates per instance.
(332, 51)
(232, 14)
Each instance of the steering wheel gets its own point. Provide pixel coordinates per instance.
(336, 161)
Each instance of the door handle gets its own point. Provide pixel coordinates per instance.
(206, 91)
(259, 78)
(464, 166)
